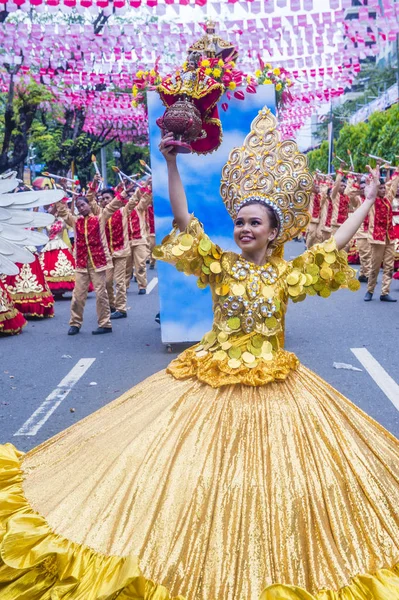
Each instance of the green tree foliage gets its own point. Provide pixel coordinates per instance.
(372, 81)
(318, 159)
(387, 144)
(379, 136)
(20, 105)
(352, 137)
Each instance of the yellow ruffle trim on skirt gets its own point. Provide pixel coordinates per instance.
(218, 373)
(38, 564)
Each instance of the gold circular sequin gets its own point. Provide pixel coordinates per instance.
(226, 345)
(222, 290)
(220, 355)
(267, 291)
(186, 240)
(234, 323)
(267, 356)
(309, 279)
(266, 348)
(254, 351)
(248, 357)
(293, 278)
(271, 322)
(340, 277)
(235, 352)
(176, 251)
(238, 289)
(223, 337)
(329, 245)
(202, 353)
(330, 258)
(205, 244)
(302, 279)
(210, 337)
(234, 363)
(215, 267)
(294, 290)
(353, 285)
(312, 270)
(325, 292)
(257, 341)
(326, 273)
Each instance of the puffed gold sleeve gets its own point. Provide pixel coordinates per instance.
(319, 271)
(192, 252)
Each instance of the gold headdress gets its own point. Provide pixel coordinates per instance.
(271, 172)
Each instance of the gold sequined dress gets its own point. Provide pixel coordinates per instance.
(235, 474)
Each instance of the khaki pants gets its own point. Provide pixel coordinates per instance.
(381, 253)
(363, 247)
(79, 297)
(151, 243)
(325, 235)
(117, 274)
(137, 259)
(313, 235)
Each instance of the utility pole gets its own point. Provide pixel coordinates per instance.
(104, 166)
(330, 139)
(397, 63)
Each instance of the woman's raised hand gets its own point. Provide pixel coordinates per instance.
(168, 151)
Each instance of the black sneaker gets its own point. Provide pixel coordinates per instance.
(101, 330)
(368, 296)
(363, 279)
(119, 314)
(387, 298)
(142, 292)
(73, 330)
(158, 318)
(112, 309)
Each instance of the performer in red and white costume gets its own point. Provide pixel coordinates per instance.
(313, 233)
(381, 236)
(395, 220)
(151, 233)
(340, 203)
(138, 236)
(29, 290)
(11, 320)
(57, 261)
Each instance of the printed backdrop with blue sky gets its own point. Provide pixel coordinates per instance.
(186, 311)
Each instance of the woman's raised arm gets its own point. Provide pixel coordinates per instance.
(177, 194)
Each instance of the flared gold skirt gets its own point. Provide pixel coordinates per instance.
(219, 493)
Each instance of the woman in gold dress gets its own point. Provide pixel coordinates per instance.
(237, 473)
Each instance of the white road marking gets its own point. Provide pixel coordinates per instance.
(152, 284)
(53, 400)
(378, 373)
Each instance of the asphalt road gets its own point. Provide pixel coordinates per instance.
(320, 331)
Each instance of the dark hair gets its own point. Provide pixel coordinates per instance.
(274, 222)
(108, 191)
(83, 198)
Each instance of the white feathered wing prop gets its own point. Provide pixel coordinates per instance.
(15, 220)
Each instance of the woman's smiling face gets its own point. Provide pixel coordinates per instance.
(253, 230)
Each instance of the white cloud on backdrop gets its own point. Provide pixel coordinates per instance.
(186, 311)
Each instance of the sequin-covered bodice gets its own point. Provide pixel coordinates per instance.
(246, 343)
